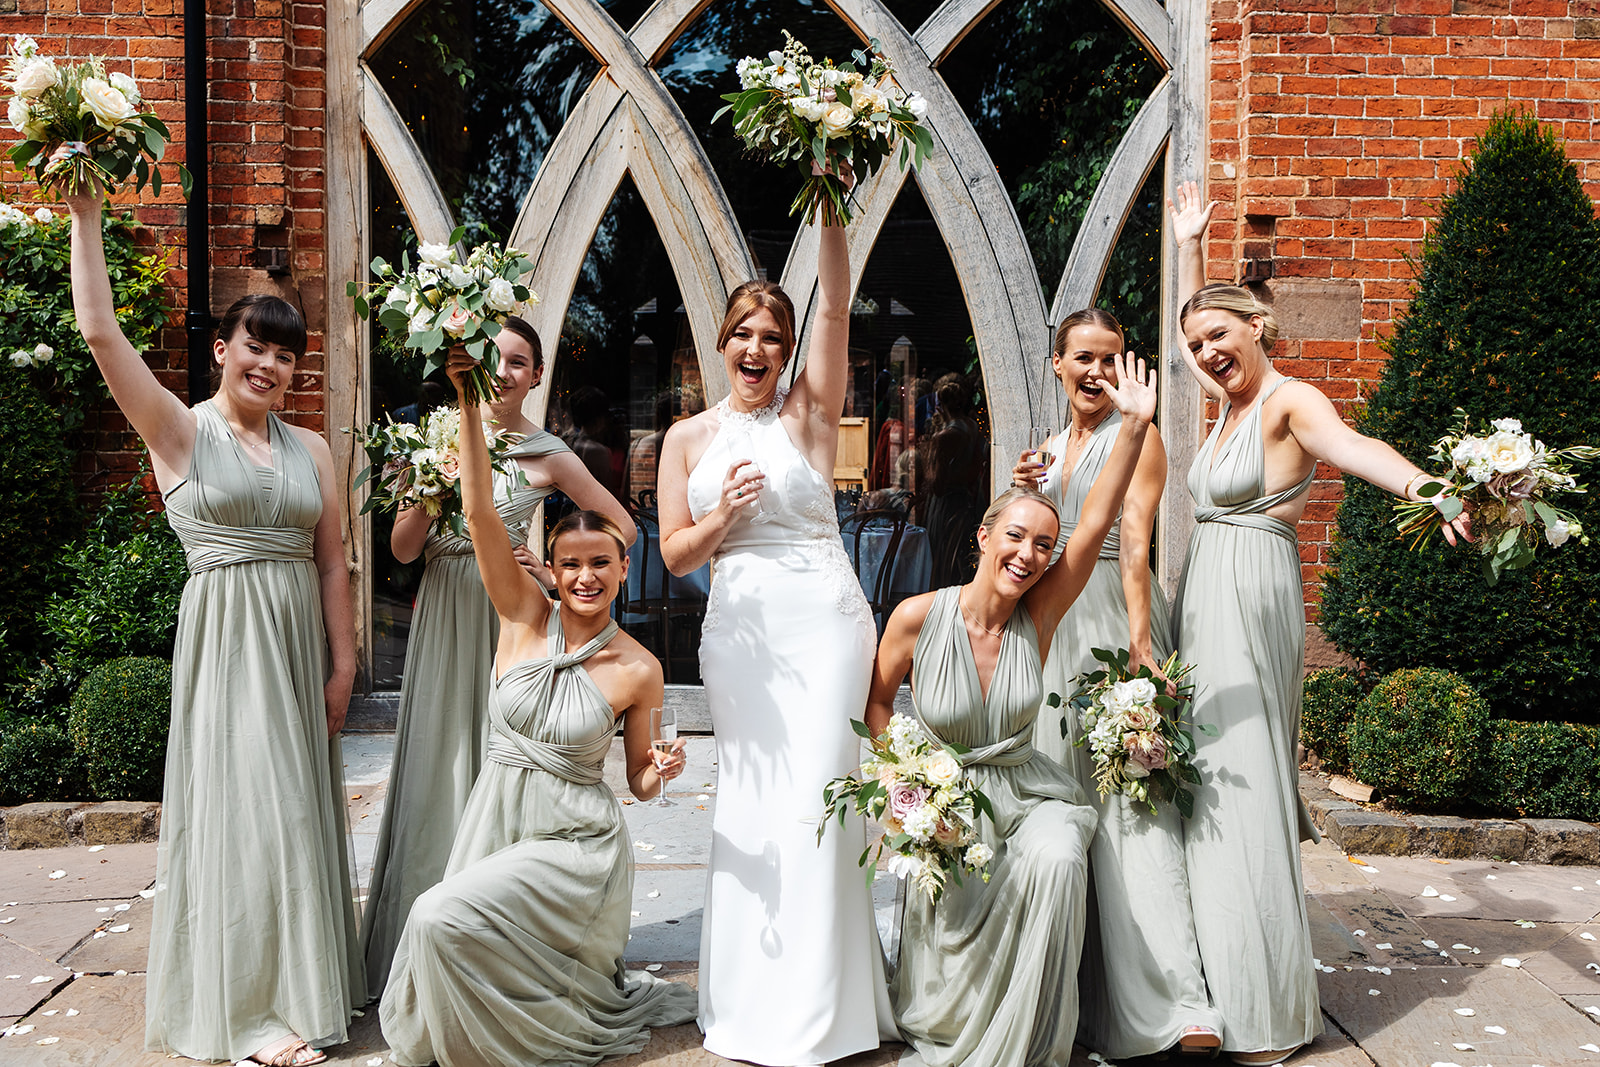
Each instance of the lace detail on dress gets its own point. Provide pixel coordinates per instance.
(713, 615)
(746, 419)
(823, 534)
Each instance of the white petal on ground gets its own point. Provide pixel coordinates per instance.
(1462, 1046)
(97, 848)
(120, 974)
(1386, 970)
(1590, 1047)
(1447, 898)
(703, 796)
(1358, 933)
(1443, 1063)
(25, 1028)
(147, 893)
(72, 1011)
(1386, 946)
(652, 967)
(122, 907)
(101, 911)
(1587, 936)
(1510, 961)
(1428, 891)
(1492, 877)
(653, 893)
(47, 1041)
(1592, 1010)
(376, 1061)
(52, 1011)
(121, 929)
(10, 919)
(39, 978)
(10, 976)
(57, 874)
(1429, 944)
(634, 914)
(1460, 945)
(1374, 993)
(1495, 1030)
(99, 933)
(1595, 967)
(1526, 924)
(1468, 1012)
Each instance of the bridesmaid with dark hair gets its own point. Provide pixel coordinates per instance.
(443, 726)
(253, 938)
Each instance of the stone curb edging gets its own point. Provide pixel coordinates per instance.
(1362, 830)
(47, 824)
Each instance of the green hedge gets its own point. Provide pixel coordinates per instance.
(1544, 770)
(1417, 736)
(1329, 707)
(38, 762)
(119, 726)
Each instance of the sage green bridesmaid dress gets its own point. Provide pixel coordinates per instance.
(442, 725)
(1240, 619)
(253, 934)
(988, 976)
(1141, 979)
(516, 956)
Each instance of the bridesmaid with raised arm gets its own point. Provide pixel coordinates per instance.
(790, 968)
(1142, 987)
(1240, 619)
(443, 726)
(253, 938)
(516, 956)
(988, 975)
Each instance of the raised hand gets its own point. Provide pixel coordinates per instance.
(1135, 391)
(1028, 471)
(1189, 219)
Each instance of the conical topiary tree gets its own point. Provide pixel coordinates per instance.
(1505, 323)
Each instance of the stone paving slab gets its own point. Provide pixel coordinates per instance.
(116, 950)
(116, 871)
(19, 966)
(1488, 890)
(1571, 966)
(53, 930)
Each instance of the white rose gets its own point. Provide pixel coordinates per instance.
(108, 106)
(20, 358)
(35, 76)
(942, 768)
(917, 104)
(458, 276)
(421, 322)
(1512, 425)
(836, 119)
(44, 216)
(397, 297)
(127, 87)
(433, 255)
(1508, 452)
(808, 108)
(1142, 690)
(1557, 533)
(921, 822)
(868, 101)
(501, 295)
(19, 114)
(978, 855)
(42, 354)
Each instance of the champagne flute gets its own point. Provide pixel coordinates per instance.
(742, 447)
(663, 736)
(1039, 445)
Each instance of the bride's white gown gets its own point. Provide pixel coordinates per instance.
(790, 968)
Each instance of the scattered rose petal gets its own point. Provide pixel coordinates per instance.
(1443, 1063)
(72, 1011)
(1510, 961)
(707, 796)
(1591, 1047)
(1595, 967)
(52, 1011)
(1495, 1030)
(1587, 936)
(1428, 891)
(1460, 945)
(97, 848)
(627, 802)
(99, 933)
(634, 914)
(39, 978)
(1462, 1046)
(1429, 944)
(1447, 898)
(355, 796)
(120, 974)
(9, 976)
(1373, 993)
(147, 893)
(653, 893)
(121, 929)
(1386, 970)
(1468, 1012)
(1384, 945)
(47, 1041)
(122, 907)
(1359, 933)
(1443, 953)
(101, 911)
(57, 874)
(652, 967)
(25, 1028)
(1592, 1010)
(9, 904)
(376, 1061)
(1492, 877)
(8, 919)
(1372, 969)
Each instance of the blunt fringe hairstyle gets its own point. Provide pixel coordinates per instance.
(1087, 317)
(266, 318)
(750, 298)
(521, 328)
(1236, 300)
(585, 522)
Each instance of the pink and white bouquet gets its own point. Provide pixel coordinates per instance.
(1508, 478)
(1133, 725)
(447, 301)
(416, 465)
(925, 801)
(791, 107)
(80, 122)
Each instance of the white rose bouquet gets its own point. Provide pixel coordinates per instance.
(415, 465)
(447, 301)
(792, 108)
(1133, 725)
(78, 122)
(1508, 477)
(926, 803)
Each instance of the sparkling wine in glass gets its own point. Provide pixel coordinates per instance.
(663, 735)
(1039, 444)
(742, 447)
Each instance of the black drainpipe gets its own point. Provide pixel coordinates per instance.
(196, 150)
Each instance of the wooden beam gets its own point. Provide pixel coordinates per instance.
(408, 169)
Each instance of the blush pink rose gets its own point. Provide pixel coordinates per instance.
(456, 323)
(1148, 749)
(946, 834)
(903, 800)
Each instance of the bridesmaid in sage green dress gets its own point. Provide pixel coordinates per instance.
(1240, 619)
(988, 976)
(442, 726)
(516, 956)
(253, 936)
(1142, 987)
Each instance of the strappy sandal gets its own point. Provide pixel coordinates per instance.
(1264, 1059)
(295, 1054)
(1199, 1041)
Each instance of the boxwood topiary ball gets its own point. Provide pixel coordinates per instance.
(119, 723)
(1331, 697)
(1417, 735)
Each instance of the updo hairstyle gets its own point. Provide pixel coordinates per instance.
(584, 522)
(750, 298)
(521, 328)
(1087, 317)
(1236, 300)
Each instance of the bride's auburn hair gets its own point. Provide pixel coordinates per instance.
(585, 522)
(751, 297)
(1236, 300)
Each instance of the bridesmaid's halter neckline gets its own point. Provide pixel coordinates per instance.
(974, 620)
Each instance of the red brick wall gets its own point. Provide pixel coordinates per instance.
(266, 129)
(1335, 126)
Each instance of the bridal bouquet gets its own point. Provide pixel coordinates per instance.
(1135, 730)
(926, 803)
(447, 301)
(415, 466)
(79, 122)
(1508, 477)
(791, 107)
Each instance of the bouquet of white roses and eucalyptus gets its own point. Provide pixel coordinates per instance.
(926, 803)
(79, 122)
(1509, 478)
(791, 107)
(416, 465)
(1133, 725)
(447, 301)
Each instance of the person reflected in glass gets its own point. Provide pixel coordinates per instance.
(644, 453)
(953, 457)
(516, 956)
(988, 974)
(253, 936)
(594, 438)
(1143, 990)
(1239, 617)
(790, 969)
(442, 726)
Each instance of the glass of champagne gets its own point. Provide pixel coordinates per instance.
(663, 735)
(1039, 445)
(742, 447)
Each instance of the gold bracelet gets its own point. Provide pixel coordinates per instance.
(1411, 483)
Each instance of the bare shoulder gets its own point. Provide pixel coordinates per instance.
(634, 662)
(909, 616)
(691, 436)
(315, 443)
(1295, 400)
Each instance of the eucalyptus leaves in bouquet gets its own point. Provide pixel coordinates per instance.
(447, 301)
(792, 108)
(81, 124)
(416, 465)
